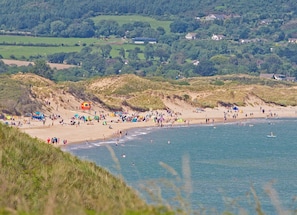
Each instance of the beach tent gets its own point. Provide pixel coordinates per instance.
(38, 115)
(85, 105)
(134, 119)
(180, 120)
(235, 108)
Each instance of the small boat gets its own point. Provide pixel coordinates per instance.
(271, 135)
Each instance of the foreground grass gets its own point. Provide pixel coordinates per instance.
(36, 178)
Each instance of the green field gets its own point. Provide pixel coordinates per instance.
(26, 46)
(22, 50)
(133, 18)
(46, 40)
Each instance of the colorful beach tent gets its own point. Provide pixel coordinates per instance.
(85, 105)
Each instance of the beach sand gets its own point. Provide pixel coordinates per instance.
(94, 130)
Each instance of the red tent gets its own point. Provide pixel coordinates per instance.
(86, 105)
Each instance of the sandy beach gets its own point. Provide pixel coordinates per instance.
(68, 128)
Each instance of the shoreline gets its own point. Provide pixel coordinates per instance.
(115, 128)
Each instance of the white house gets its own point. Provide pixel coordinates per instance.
(292, 40)
(191, 36)
(217, 37)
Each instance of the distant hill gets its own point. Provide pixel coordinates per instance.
(29, 14)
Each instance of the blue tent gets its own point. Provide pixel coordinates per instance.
(134, 119)
(235, 108)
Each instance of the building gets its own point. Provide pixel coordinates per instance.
(191, 36)
(212, 17)
(292, 40)
(144, 40)
(217, 37)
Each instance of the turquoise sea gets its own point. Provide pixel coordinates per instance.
(212, 167)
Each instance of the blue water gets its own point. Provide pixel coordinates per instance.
(213, 166)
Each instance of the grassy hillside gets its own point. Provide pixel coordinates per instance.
(36, 178)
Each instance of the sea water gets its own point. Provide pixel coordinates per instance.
(212, 167)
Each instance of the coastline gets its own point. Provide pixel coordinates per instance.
(114, 128)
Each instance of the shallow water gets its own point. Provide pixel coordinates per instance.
(225, 161)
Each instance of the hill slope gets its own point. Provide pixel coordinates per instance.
(36, 178)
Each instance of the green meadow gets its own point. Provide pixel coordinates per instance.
(133, 18)
(23, 47)
(21, 52)
(46, 40)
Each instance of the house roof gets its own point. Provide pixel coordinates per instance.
(144, 39)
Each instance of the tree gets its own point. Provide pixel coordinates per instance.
(3, 67)
(205, 68)
(107, 28)
(94, 64)
(57, 27)
(161, 30)
(133, 54)
(163, 52)
(81, 29)
(56, 58)
(168, 39)
(178, 26)
(41, 68)
(122, 53)
(105, 50)
(148, 51)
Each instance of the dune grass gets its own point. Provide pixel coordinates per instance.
(114, 92)
(145, 102)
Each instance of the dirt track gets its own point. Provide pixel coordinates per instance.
(26, 63)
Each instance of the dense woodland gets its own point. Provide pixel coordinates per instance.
(255, 39)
